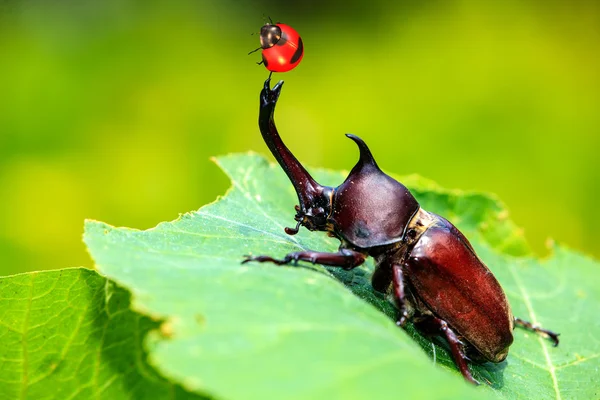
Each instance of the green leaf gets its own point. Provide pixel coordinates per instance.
(70, 334)
(260, 331)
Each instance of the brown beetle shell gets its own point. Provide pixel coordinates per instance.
(457, 287)
(370, 208)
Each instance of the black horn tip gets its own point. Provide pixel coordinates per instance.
(269, 96)
(277, 87)
(362, 146)
(365, 153)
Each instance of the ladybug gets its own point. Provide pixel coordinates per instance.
(282, 47)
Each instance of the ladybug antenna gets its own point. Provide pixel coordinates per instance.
(267, 17)
(270, 74)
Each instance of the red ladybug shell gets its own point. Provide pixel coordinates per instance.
(283, 54)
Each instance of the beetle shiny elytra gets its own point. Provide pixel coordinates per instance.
(282, 47)
(422, 260)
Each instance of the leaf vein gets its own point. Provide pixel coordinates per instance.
(533, 318)
(578, 361)
(246, 226)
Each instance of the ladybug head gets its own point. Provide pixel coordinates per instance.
(269, 35)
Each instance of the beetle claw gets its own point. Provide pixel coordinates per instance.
(249, 258)
(403, 319)
(262, 259)
(293, 231)
(246, 259)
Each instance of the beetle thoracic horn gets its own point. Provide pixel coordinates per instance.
(366, 158)
(306, 187)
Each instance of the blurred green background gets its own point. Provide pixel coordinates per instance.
(111, 109)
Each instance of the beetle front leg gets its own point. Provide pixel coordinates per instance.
(542, 332)
(435, 326)
(345, 258)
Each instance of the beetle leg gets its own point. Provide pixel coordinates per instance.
(542, 332)
(458, 354)
(293, 231)
(433, 326)
(346, 258)
(398, 284)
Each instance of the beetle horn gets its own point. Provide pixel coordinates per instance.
(366, 159)
(307, 189)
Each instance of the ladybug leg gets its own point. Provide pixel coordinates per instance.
(345, 258)
(437, 326)
(255, 50)
(542, 332)
(399, 294)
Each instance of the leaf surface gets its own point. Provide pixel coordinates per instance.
(70, 334)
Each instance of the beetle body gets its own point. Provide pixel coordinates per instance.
(282, 47)
(453, 284)
(423, 261)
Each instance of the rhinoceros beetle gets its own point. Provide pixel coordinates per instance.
(421, 259)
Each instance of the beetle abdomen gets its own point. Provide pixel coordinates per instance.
(456, 286)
